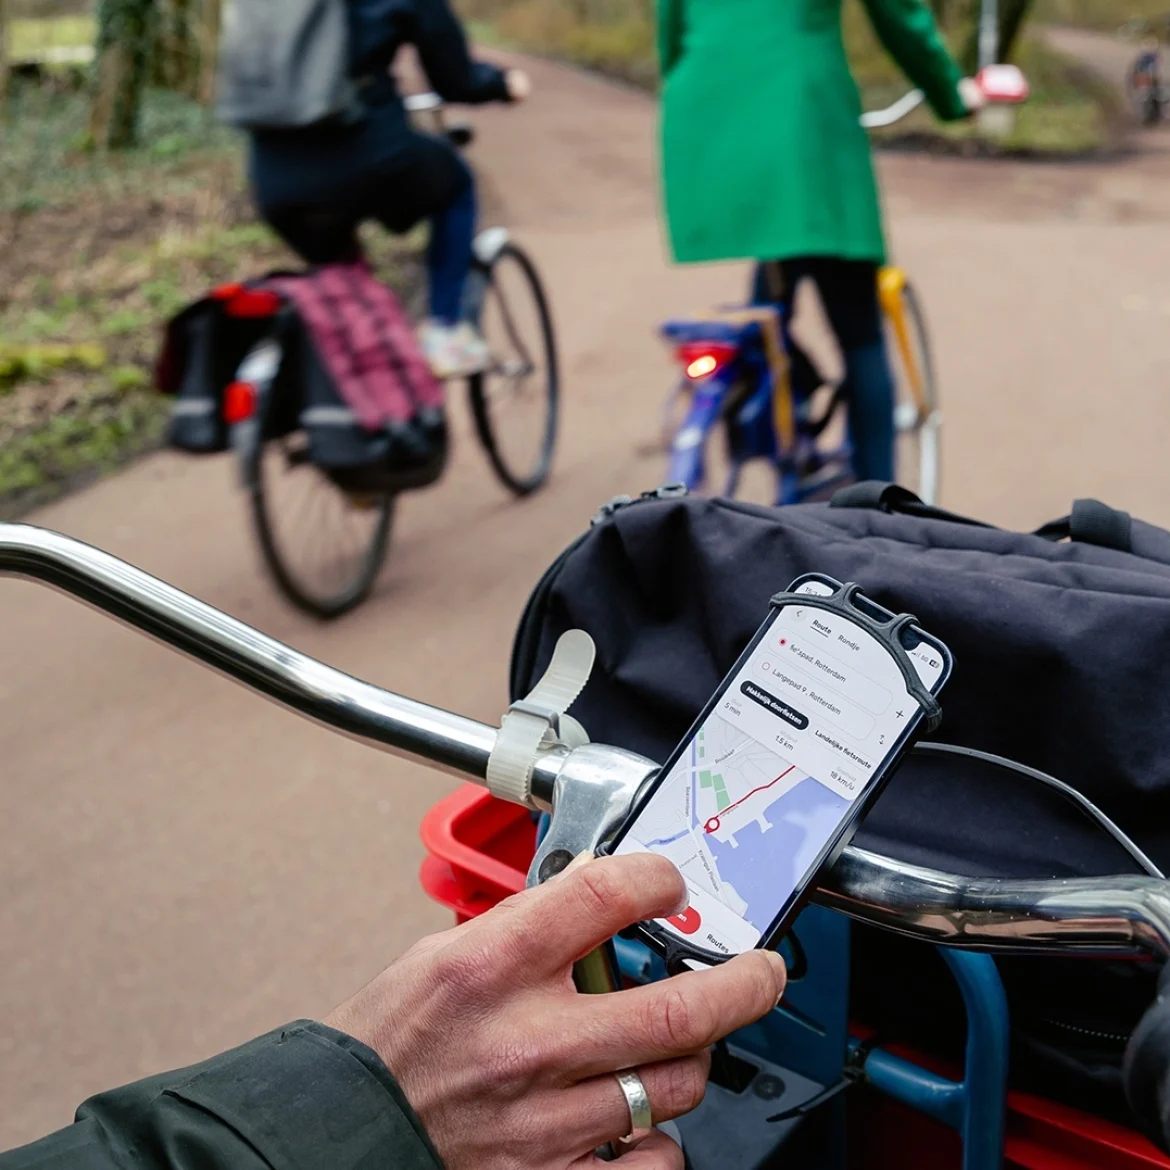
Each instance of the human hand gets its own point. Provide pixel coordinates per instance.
(508, 1066)
(972, 95)
(518, 84)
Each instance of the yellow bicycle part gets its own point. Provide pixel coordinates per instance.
(891, 287)
(768, 319)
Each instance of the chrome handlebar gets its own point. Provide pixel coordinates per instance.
(906, 104)
(431, 103)
(1122, 915)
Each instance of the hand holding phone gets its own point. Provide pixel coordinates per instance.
(772, 781)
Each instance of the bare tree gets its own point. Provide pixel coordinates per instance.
(3, 53)
(208, 50)
(123, 55)
(177, 48)
(1013, 15)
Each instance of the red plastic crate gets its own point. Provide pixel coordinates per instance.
(478, 850)
(478, 853)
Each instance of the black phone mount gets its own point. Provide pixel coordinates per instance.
(676, 954)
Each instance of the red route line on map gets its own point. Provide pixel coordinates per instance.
(712, 826)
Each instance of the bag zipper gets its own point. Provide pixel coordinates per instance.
(1116, 1038)
(524, 645)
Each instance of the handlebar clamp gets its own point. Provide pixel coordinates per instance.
(534, 724)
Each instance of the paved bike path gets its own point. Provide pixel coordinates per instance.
(182, 865)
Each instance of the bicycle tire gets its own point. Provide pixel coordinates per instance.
(925, 425)
(522, 481)
(356, 586)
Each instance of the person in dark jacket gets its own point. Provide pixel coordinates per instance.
(472, 1052)
(315, 186)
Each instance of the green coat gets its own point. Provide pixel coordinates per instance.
(763, 154)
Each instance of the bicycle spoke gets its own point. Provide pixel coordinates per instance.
(323, 550)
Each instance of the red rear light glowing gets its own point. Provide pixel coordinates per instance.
(702, 359)
(239, 402)
(251, 302)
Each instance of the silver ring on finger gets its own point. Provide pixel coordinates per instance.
(638, 1100)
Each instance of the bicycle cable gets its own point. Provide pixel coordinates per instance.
(1082, 802)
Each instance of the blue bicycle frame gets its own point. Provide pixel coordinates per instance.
(734, 382)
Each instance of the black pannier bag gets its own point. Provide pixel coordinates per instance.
(400, 456)
(202, 350)
(205, 348)
(1062, 662)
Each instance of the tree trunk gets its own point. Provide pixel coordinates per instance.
(3, 54)
(123, 54)
(209, 50)
(175, 60)
(1012, 15)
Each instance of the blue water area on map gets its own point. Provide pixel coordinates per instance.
(766, 867)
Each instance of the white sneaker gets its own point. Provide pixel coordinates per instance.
(454, 351)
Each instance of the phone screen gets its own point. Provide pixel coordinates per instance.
(764, 786)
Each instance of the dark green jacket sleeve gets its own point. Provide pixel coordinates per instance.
(302, 1098)
(909, 33)
(669, 33)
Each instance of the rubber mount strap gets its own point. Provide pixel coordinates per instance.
(539, 721)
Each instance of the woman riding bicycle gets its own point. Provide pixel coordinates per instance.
(764, 158)
(316, 185)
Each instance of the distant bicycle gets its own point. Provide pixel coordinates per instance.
(1145, 81)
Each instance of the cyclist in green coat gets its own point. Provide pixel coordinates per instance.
(765, 159)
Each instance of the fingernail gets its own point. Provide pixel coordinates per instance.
(578, 861)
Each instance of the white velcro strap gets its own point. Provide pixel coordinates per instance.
(540, 720)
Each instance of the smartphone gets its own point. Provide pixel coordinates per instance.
(773, 779)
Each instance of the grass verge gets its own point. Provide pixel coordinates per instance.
(96, 253)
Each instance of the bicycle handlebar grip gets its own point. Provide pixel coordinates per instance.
(1146, 1070)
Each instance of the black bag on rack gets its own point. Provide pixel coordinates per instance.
(1061, 641)
(202, 350)
(205, 350)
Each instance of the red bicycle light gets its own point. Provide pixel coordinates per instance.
(1003, 84)
(239, 402)
(253, 303)
(702, 359)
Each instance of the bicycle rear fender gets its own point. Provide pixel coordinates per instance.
(708, 397)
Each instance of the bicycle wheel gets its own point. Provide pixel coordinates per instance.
(515, 401)
(323, 546)
(917, 419)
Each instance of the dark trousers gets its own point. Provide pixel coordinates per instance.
(427, 180)
(848, 291)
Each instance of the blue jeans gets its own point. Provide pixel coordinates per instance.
(848, 291)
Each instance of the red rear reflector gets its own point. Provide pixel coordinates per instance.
(225, 292)
(239, 402)
(701, 359)
(251, 302)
